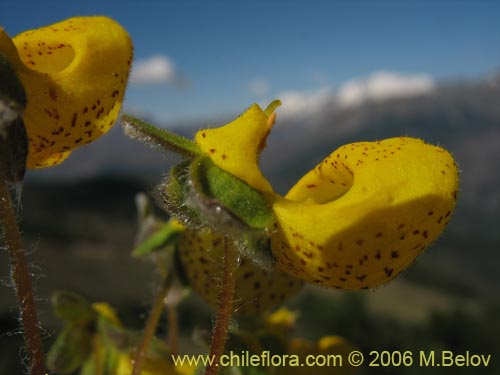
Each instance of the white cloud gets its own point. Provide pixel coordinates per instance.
(157, 69)
(259, 86)
(382, 86)
(301, 104)
(376, 87)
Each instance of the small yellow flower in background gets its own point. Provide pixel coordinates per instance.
(281, 321)
(152, 366)
(356, 220)
(328, 356)
(74, 73)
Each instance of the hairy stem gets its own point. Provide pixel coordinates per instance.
(225, 309)
(20, 274)
(150, 328)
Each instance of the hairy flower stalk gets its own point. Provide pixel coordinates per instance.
(354, 222)
(20, 274)
(61, 87)
(225, 309)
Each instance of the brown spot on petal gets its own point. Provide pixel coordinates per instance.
(73, 119)
(53, 94)
(388, 271)
(361, 278)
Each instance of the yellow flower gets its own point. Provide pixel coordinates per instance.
(103, 354)
(152, 366)
(74, 73)
(327, 356)
(356, 220)
(257, 289)
(281, 321)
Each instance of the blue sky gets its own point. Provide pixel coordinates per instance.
(220, 56)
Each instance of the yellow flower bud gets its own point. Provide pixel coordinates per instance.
(74, 73)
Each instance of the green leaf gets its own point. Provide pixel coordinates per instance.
(220, 191)
(165, 235)
(72, 307)
(156, 137)
(70, 350)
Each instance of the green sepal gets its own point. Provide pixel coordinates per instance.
(71, 348)
(72, 307)
(226, 198)
(156, 137)
(166, 234)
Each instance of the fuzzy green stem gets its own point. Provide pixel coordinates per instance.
(150, 328)
(19, 273)
(225, 308)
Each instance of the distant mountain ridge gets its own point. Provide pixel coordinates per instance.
(463, 117)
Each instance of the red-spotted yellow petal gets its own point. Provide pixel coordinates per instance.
(257, 290)
(74, 73)
(236, 146)
(364, 214)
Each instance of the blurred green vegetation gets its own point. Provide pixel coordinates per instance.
(80, 237)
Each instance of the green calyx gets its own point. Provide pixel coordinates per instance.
(219, 191)
(200, 193)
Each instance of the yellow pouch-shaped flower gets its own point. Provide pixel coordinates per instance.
(354, 222)
(360, 217)
(365, 213)
(257, 290)
(74, 73)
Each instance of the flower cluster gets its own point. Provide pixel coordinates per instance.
(355, 221)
